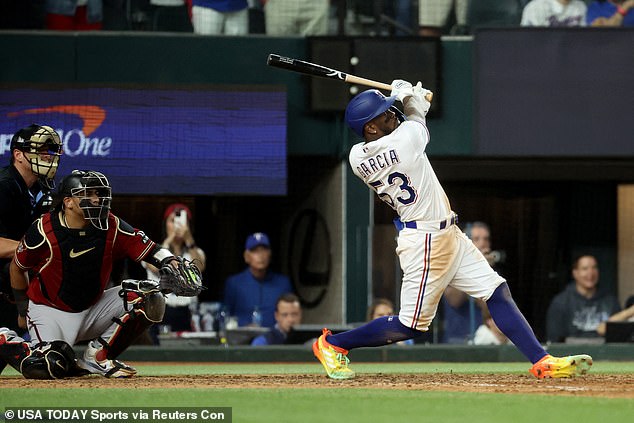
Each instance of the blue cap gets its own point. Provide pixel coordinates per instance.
(257, 239)
(366, 106)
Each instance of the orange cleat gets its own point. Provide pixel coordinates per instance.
(559, 367)
(334, 359)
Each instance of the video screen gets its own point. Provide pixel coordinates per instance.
(210, 140)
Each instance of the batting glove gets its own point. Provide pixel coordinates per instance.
(401, 89)
(418, 90)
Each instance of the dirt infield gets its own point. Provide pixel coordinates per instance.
(608, 386)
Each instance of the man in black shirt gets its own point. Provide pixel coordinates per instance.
(24, 195)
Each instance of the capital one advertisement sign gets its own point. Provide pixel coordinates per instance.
(196, 141)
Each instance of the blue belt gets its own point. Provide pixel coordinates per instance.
(412, 225)
(449, 222)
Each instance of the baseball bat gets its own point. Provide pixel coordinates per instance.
(313, 69)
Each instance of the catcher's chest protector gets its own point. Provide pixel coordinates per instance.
(80, 266)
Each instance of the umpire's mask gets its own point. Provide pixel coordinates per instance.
(42, 148)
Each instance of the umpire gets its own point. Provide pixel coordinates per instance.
(25, 187)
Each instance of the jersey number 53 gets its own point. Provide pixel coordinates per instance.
(407, 194)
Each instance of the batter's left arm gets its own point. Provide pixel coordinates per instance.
(415, 103)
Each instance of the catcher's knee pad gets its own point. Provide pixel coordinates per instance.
(154, 307)
(48, 360)
(144, 296)
(145, 306)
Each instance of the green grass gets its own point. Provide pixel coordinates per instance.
(345, 405)
(363, 405)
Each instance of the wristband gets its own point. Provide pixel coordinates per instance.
(21, 301)
(621, 11)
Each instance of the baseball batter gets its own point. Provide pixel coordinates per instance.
(433, 252)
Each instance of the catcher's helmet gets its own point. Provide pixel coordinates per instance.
(366, 106)
(42, 148)
(78, 184)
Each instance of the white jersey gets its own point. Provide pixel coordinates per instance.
(553, 13)
(433, 254)
(397, 168)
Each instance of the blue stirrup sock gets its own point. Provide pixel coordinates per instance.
(382, 331)
(513, 324)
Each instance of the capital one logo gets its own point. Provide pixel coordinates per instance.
(76, 141)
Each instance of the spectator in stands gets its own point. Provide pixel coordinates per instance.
(578, 311)
(403, 16)
(214, 17)
(461, 316)
(170, 15)
(296, 17)
(74, 15)
(255, 290)
(488, 333)
(288, 313)
(625, 315)
(480, 234)
(610, 13)
(179, 240)
(433, 16)
(383, 307)
(554, 13)
(380, 307)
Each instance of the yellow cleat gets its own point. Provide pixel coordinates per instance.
(558, 367)
(334, 359)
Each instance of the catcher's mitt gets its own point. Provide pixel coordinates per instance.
(183, 281)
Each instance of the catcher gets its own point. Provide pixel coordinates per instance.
(59, 275)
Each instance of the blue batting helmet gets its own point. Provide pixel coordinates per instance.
(366, 106)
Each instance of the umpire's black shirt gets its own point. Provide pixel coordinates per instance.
(17, 211)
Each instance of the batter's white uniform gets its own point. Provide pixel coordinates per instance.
(432, 250)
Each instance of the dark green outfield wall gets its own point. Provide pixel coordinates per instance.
(150, 58)
(422, 353)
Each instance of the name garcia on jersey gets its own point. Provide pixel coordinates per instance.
(378, 162)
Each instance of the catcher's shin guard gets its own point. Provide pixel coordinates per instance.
(13, 349)
(145, 306)
(46, 360)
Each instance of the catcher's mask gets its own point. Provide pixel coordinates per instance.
(83, 184)
(366, 106)
(42, 148)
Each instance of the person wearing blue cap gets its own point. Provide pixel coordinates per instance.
(251, 295)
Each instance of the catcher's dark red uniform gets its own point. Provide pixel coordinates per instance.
(70, 268)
